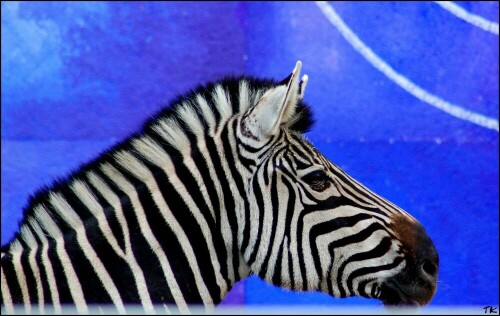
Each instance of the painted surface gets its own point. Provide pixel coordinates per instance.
(77, 77)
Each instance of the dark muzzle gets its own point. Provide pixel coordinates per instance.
(415, 285)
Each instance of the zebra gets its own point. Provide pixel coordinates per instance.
(219, 185)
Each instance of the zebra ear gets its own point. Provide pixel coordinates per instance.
(275, 108)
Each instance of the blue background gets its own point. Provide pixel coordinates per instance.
(78, 77)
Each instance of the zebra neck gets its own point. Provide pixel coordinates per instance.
(170, 197)
(145, 213)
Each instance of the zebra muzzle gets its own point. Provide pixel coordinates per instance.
(415, 284)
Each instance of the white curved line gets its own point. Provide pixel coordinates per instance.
(401, 80)
(468, 17)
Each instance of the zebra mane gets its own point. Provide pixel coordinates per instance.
(172, 114)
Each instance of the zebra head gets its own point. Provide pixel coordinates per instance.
(310, 226)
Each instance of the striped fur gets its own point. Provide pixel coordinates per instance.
(218, 185)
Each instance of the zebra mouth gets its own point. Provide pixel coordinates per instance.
(392, 295)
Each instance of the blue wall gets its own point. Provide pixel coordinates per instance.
(77, 77)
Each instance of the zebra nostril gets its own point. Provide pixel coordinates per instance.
(429, 269)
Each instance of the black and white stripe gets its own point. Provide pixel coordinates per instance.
(218, 185)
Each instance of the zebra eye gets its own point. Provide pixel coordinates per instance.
(318, 180)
